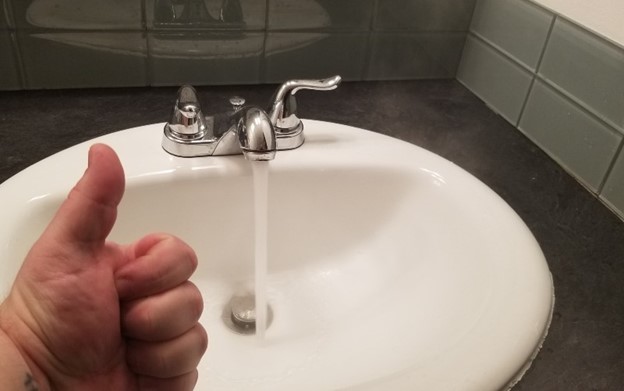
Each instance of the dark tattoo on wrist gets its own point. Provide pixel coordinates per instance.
(30, 384)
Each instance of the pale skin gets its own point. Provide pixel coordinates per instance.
(88, 314)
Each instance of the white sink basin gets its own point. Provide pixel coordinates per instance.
(390, 268)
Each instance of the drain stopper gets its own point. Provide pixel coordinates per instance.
(239, 315)
(244, 311)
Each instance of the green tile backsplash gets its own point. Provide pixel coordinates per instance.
(77, 14)
(199, 57)
(314, 55)
(517, 27)
(432, 55)
(81, 59)
(240, 15)
(165, 42)
(574, 138)
(9, 78)
(497, 80)
(424, 15)
(572, 102)
(3, 18)
(350, 15)
(588, 69)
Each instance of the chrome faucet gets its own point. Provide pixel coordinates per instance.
(243, 129)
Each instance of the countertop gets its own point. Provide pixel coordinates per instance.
(582, 240)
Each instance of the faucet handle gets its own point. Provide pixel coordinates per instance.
(283, 110)
(237, 103)
(187, 120)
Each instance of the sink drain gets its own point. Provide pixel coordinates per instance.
(239, 315)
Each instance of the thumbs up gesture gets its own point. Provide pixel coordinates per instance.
(87, 314)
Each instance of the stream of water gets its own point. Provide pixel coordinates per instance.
(260, 180)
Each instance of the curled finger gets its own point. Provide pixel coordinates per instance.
(154, 264)
(170, 358)
(162, 316)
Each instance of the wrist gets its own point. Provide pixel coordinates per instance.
(15, 372)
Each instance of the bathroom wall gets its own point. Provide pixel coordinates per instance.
(603, 17)
(557, 82)
(105, 43)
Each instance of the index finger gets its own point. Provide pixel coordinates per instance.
(154, 264)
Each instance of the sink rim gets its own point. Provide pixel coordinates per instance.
(379, 151)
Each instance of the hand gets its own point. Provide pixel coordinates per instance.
(86, 314)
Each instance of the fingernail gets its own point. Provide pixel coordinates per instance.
(91, 155)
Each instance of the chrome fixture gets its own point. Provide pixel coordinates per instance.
(283, 110)
(243, 129)
(239, 314)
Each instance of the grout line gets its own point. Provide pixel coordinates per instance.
(461, 56)
(262, 68)
(143, 16)
(149, 70)
(607, 173)
(535, 72)
(161, 30)
(7, 15)
(468, 32)
(266, 14)
(149, 74)
(578, 104)
(499, 50)
(38, 30)
(368, 54)
(18, 60)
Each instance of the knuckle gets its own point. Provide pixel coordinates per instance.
(203, 339)
(196, 301)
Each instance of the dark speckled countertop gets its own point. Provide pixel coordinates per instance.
(582, 240)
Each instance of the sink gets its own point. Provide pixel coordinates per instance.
(390, 268)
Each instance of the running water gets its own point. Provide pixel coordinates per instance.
(260, 180)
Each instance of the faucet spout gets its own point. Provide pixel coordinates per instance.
(256, 134)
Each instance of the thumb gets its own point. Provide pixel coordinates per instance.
(88, 214)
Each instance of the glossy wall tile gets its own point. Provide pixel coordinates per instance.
(396, 56)
(588, 69)
(424, 15)
(241, 15)
(494, 78)
(235, 41)
(350, 15)
(205, 57)
(518, 28)
(347, 50)
(314, 55)
(77, 14)
(3, 18)
(9, 76)
(571, 136)
(96, 59)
